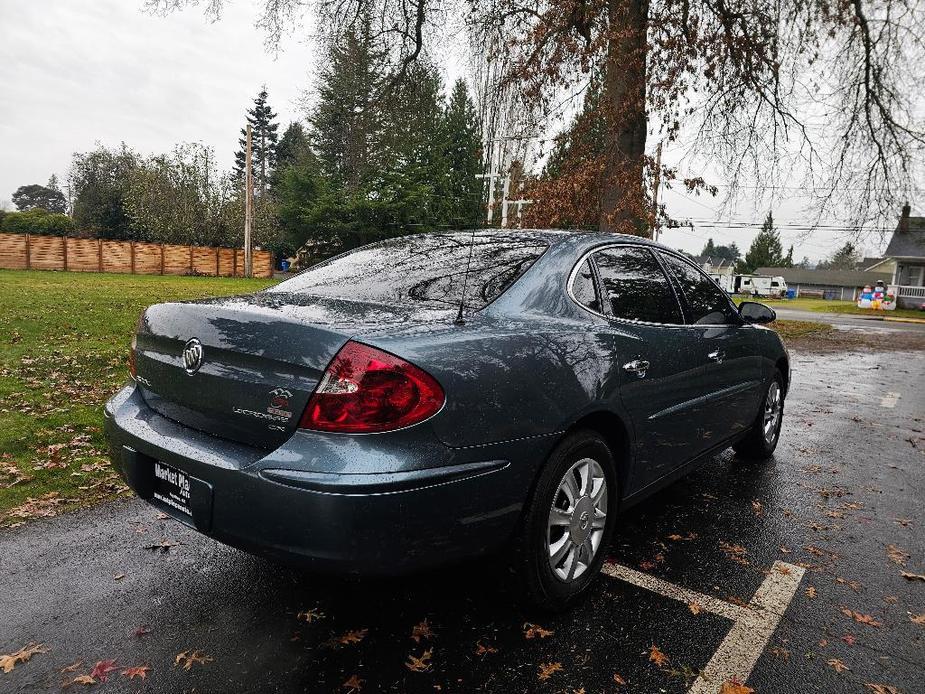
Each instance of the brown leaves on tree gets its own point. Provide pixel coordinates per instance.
(187, 659)
(10, 660)
(532, 631)
(656, 656)
(860, 618)
(421, 664)
(421, 630)
(547, 670)
(140, 671)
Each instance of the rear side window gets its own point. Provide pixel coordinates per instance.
(427, 268)
(706, 303)
(635, 286)
(583, 287)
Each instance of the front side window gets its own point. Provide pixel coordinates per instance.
(706, 303)
(583, 287)
(635, 286)
(428, 268)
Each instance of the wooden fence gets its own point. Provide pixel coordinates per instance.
(29, 252)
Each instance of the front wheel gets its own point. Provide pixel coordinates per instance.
(568, 521)
(762, 438)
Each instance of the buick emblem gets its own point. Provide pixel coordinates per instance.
(192, 356)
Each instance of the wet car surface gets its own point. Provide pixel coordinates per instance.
(847, 481)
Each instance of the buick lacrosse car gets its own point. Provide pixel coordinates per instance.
(439, 396)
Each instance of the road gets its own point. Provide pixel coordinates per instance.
(848, 321)
(829, 524)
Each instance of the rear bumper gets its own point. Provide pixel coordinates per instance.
(297, 504)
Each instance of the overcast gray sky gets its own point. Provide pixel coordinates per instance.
(77, 72)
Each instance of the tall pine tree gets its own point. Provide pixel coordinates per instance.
(766, 249)
(263, 144)
(462, 160)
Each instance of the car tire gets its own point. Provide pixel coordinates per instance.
(555, 521)
(762, 438)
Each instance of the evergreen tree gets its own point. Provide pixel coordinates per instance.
(347, 127)
(293, 145)
(709, 249)
(263, 143)
(462, 158)
(766, 249)
(845, 258)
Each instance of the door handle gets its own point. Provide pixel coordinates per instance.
(717, 356)
(637, 366)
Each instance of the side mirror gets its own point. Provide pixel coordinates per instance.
(753, 312)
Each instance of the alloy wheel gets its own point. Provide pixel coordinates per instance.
(773, 406)
(577, 519)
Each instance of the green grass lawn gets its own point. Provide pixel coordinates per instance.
(64, 339)
(823, 306)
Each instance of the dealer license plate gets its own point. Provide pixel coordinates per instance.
(172, 487)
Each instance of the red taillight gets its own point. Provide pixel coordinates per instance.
(132, 369)
(366, 390)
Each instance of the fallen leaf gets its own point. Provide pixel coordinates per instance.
(823, 643)
(354, 684)
(547, 670)
(481, 649)
(656, 656)
(904, 522)
(354, 636)
(137, 671)
(918, 619)
(897, 555)
(781, 653)
(73, 666)
(912, 577)
(82, 679)
(734, 552)
(141, 631)
(421, 631)
(311, 615)
(531, 631)
(781, 569)
(837, 665)
(118, 577)
(849, 639)
(9, 661)
(102, 669)
(187, 659)
(733, 686)
(757, 507)
(421, 664)
(619, 680)
(784, 550)
(163, 546)
(860, 618)
(694, 607)
(810, 592)
(882, 688)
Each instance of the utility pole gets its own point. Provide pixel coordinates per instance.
(655, 186)
(248, 207)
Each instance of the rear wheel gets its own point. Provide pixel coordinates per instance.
(568, 522)
(765, 432)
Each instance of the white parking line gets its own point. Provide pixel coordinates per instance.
(752, 625)
(889, 400)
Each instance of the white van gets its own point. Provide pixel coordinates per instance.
(759, 285)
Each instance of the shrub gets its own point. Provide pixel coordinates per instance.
(37, 221)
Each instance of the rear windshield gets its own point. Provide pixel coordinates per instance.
(426, 268)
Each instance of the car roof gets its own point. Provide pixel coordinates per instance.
(581, 239)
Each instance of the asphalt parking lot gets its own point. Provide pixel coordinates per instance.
(786, 576)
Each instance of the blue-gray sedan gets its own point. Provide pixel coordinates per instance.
(439, 396)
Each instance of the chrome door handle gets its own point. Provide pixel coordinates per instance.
(637, 366)
(717, 356)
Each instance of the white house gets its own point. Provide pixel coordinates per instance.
(907, 249)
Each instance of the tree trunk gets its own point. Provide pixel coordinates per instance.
(623, 199)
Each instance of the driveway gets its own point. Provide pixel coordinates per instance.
(787, 575)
